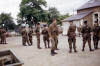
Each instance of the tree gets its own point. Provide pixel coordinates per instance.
(53, 13)
(7, 20)
(30, 10)
(62, 17)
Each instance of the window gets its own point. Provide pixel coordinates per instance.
(96, 16)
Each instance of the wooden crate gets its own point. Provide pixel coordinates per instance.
(13, 59)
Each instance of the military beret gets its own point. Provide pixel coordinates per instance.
(85, 22)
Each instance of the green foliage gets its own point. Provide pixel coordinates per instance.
(7, 20)
(30, 10)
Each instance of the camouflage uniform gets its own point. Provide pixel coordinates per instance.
(96, 30)
(53, 33)
(25, 37)
(30, 36)
(37, 31)
(72, 37)
(46, 37)
(86, 30)
(3, 36)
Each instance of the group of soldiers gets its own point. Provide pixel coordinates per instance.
(86, 32)
(3, 35)
(51, 33)
(27, 36)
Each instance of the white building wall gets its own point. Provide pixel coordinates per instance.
(65, 27)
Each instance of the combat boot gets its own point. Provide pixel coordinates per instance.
(91, 50)
(75, 50)
(70, 51)
(53, 53)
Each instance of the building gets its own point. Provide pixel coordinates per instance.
(90, 12)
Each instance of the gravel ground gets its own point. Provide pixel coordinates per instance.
(31, 56)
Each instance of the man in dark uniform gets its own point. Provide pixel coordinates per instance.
(53, 33)
(86, 34)
(30, 35)
(72, 37)
(25, 38)
(37, 31)
(96, 30)
(46, 36)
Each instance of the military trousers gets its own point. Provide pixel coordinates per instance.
(54, 42)
(95, 40)
(72, 41)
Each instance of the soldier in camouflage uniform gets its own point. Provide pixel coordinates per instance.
(46, 36)
(72, 37)
(96, 30)
(25, 38)
(37, 31)
(3, 36)
(86, 34)
(53, 33)
(30, 35)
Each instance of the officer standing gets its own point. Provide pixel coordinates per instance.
(46, 36)
(86, 34)
(96, 30)
(53, 33)
(30, 35)
(37, 31)
(3, 36)
(72, 37)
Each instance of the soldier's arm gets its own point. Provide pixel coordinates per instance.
(82, 30)
(49, 30)
(68, 32)
(42, 32)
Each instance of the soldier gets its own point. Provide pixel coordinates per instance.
(3, 36)
(53, 33)
(96, 30)
(46, 36)
(86, 34)
(72, 37)
(25, 38)
(30, 35)
(37, 31)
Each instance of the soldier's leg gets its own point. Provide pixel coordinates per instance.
(30, 40)
(45, 44)
(1, 40)
(27, 40)
(74, 44)
(5, 39)
(48, 43)
(56, 44)
(24, 41)
(38, 42)
(70, 45)
(89, 43)
(97, 42)
(94, 41)
(53, 47)
(84, 42)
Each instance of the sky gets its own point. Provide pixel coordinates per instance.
(64, 6)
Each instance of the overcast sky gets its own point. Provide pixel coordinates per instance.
(64, 6)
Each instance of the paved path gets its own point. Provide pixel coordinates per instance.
(31, 56)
